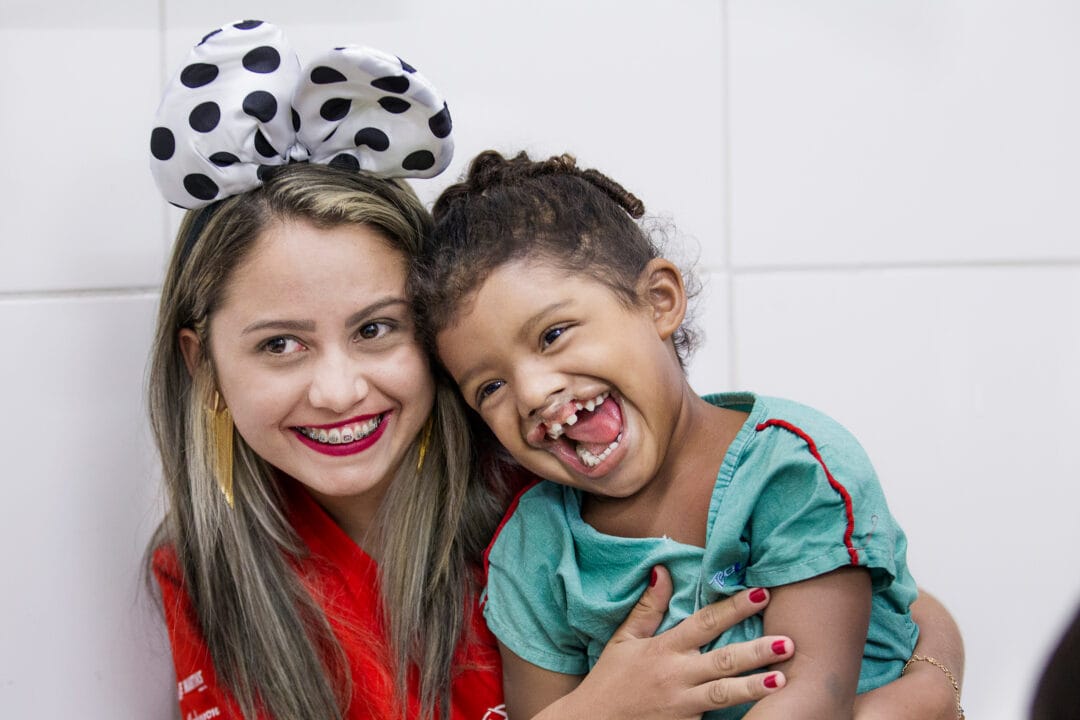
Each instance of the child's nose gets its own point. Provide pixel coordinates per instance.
(339, 383)
(538, 389)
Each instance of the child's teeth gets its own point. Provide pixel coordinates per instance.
(590, 405)
(591, 460)
(555, 431)
(571, 420)
(578, 405)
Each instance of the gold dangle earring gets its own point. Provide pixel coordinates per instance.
(425, 440)
(221, 435)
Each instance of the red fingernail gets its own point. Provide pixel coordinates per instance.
(757, 596)
(770, 681)
(652, 578)
(779, 647)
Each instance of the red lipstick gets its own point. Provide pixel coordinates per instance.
(349, 448)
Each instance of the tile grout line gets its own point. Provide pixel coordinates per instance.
(10, 296)
(859, 267)
(728, 179)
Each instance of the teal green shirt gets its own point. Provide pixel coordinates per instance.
(557, 589)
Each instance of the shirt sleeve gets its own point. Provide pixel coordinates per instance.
(818, 506)
(199, 694)
(529, 562)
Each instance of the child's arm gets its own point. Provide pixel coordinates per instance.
(663, 677)
(528, 689)
(924, 692)
(827, 617)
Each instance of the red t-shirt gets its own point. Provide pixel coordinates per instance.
(346, 579)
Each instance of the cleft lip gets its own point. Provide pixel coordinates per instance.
(549, 430)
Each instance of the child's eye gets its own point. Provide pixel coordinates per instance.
(373, 330)
(551, 335)
(486, 390)
(283, 346)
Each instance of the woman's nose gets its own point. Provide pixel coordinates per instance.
(339, 383)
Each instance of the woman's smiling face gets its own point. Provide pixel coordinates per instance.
(316, 357)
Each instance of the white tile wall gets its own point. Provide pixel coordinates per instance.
(961, 384)
(79, 207)
(81, 637)
(897, 178)
(904, 131)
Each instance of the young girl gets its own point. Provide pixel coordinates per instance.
(563, 329)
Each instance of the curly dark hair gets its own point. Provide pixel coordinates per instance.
(507, 209)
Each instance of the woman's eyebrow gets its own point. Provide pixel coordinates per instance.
(291, 325)
(309, 325)
(374, 308)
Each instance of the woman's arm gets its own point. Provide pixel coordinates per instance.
(664, 677)
(924, 692)
(827, 616)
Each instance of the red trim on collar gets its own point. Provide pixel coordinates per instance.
(506, 518)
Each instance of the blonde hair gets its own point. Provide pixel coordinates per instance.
(269, 639)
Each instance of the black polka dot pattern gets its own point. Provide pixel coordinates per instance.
(344, 161)
(200, 187)
(198, 74)
(260, 105)
(398, 84)
(209, 35)
(224, 159)
(419, 160)
(262, 60)
(396, 125)
(440, 123)
(241, 107)
(335, 109)
(263, 146)
(323, 75)
(394, 105)
(162, 143)
(374, 138)
(204, 117)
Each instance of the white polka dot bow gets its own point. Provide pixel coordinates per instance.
(241, 106)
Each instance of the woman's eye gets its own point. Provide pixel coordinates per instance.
(551, 335)
(283, 346)
(370, 331)
(487, 389)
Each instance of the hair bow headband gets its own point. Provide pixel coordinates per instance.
(241, 106)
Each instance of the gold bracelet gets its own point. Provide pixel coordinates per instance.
(940, 666)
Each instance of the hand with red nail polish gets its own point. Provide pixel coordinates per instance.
(665, 676)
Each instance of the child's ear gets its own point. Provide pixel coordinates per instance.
(661, 287)
(191, 349)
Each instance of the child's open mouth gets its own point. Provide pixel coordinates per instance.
(591, 433)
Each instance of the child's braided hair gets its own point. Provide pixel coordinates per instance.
(508, 209)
